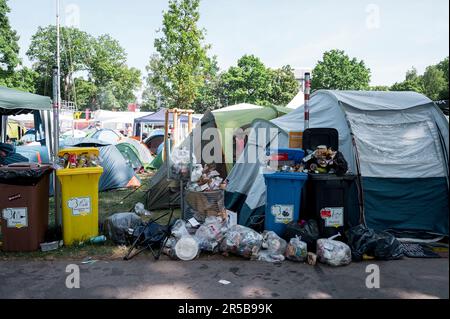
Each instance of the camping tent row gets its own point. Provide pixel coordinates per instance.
(397, 141)
(163, 193)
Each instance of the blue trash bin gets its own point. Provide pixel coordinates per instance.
(283, 199)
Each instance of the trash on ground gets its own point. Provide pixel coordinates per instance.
(296, 250)
(333, 252)
(273, 247)
(224, 282)
(140, 210)
(379, 244)
(89, 260)
(118, 226)
(211, 233)
(242, 241)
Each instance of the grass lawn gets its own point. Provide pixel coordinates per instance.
(114, 201)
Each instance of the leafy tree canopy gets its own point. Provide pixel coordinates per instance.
(337, 71)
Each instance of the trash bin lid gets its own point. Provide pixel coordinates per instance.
(313, 137)
(186, 248)
(23, 173)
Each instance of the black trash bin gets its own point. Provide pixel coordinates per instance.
(331, 202)
(329, 199)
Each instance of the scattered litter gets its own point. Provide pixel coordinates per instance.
(97, 239)
(224, 282)
(311, 259)
(186, 248)
(140, 210)
(89, 260)
(51, 245)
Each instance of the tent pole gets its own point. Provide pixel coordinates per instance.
(175, 127)
(307, 93)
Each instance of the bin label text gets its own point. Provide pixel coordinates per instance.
(283, 214)
(81, 206)
(333, 216)
(16, 217)
(14, 197)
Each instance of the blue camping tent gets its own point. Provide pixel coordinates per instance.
(117, 172)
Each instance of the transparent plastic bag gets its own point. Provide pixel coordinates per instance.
(117, 226)
(242, 241)
(139, 209)
(333, 252)
(179, 229)
(296, 250)
(211, 233)
(272, 247)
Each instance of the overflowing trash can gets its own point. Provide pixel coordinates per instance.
(327, 192)
(24, 201)
(79, 193)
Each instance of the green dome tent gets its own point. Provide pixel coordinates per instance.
(225, 120)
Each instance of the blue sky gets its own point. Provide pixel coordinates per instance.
(390, 36)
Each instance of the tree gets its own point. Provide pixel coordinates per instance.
(434, 82)
(284, 86)
(379, 88)
(75, 51)
(251, 82)
(10, 74)
(89, 67)
(337, 71)
(413, 82)
(9, 48)
(179, 69)
(247, 82)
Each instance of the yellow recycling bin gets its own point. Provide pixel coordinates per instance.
(79, 193)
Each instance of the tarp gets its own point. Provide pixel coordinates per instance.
(402, 140)
(160, 117)
(13, 102)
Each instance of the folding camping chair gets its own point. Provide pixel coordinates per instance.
(148, 244)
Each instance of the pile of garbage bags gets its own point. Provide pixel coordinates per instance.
(301, 242)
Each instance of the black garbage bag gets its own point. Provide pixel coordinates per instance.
(23, 173)
(117, 226)
(379, 244)
(340, 165)
(308, 233)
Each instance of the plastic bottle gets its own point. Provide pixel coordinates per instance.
(98, 239)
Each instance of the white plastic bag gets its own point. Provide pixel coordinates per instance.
(333, 252)
(211, 233)
(273, 247)
(179, 229)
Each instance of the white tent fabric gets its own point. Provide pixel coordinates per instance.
(297, 101)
